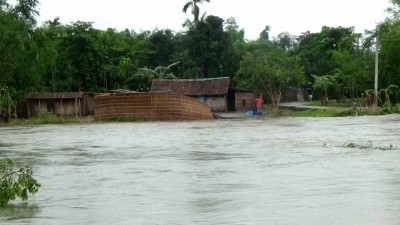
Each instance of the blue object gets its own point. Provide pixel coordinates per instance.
(249, 113)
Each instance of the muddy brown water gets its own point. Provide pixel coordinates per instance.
(243, 171)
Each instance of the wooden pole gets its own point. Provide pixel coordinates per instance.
(61, 112)
(76, 107)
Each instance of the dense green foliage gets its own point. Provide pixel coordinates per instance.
(15, 183)
(77, 57)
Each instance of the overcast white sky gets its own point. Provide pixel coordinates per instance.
(293, 16)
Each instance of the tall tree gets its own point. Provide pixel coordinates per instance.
(27, 9)
(270, 73)
(264, 35)
(18, 68)
(208, 50)
(162, 47)
(195, 10)
(316, 49)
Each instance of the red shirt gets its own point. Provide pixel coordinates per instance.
(259, 102)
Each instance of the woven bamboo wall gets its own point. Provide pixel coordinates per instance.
(150, 105)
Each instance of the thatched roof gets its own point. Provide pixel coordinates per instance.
(193, 87)
(55, 95)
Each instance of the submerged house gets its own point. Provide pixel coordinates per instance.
(214, 92)
(61, 103)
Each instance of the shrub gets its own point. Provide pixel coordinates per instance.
(15, 182)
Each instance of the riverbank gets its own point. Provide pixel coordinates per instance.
(289, 109)
(47, 118)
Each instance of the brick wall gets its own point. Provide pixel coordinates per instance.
(150, 105)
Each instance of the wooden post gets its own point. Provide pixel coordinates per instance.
(61, 109)
(29, 111)
(76, 105)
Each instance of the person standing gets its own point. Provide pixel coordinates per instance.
(259, 102)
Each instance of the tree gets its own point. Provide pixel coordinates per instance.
(389, 58)
(264, 35)
(143, 78)
(15, 183)
(6, 103)
(26, 9)
(270, 73)
(386, 93)
(195, 9)
(207, 50)
(285, 40)
(162, 47)
(322, 83)
(18, 69)
(236, 35)
(316, 49)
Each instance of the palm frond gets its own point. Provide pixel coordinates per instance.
(186, 6)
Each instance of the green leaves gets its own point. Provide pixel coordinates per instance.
(323, 83)
(6, 102)
(15, 183)
(270, 72)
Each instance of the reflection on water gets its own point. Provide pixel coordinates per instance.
(273, 171)
(19, 211)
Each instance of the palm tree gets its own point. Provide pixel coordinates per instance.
(189, 23)
(195, 8)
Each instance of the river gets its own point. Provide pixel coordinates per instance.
(303, 171)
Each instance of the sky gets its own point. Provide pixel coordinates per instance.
(293, 16)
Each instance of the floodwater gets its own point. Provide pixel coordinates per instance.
(246, 171)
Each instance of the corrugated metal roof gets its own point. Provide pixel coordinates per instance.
(193, 87)
(55, 95)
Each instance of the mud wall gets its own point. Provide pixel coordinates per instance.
(244, 101)
(150, 105)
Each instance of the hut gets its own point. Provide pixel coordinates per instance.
(61, 103)
(240, 100)
(212, 92)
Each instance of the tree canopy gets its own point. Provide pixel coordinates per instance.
(79, 57)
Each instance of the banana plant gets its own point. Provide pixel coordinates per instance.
(6, 102)
(323, 83)
(386, 93)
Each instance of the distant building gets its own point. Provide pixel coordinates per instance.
(61, 103)
(214, 92)
(240, 100)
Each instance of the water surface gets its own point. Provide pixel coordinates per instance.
(251, 171)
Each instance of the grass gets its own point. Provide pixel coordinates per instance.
(335, 109)
(317, 112)
(333, 112)
(345, 104)
(47, 118)
(50, 118)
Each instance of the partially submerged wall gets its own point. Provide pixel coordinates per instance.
(150, 105)
(244, 101)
